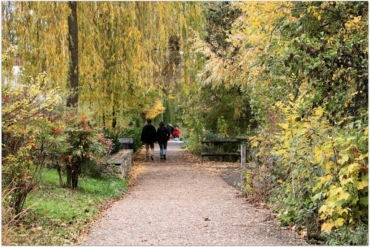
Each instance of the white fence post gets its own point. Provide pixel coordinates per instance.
(243, 156)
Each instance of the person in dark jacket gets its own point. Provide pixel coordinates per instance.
(149, 137)
(162, 136)
(170, 128)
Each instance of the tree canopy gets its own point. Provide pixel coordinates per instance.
(130, 53)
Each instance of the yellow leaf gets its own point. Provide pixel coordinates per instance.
(318, 155)
(319, 111)
(254, 144)
(353, 168)
(362, 185)
(281, 152)
(356, 19)
(353, 94)
(286, 145)
(339, 222)
(335, 190)
(157, 109)
(362, 156)
(342, 211)
(291, 97)
(318, 186)
(344, 180)
(284, 126)
(329, 165)
(327, 178)
(343, 195)
(326, 227)
(323, 209)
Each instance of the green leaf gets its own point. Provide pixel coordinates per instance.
(343, 159)
(317, 196)
(364, 201)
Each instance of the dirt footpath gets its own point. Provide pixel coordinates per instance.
(183, 202)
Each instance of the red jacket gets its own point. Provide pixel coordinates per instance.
(176, 132)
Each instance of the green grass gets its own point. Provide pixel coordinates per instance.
(58, 216)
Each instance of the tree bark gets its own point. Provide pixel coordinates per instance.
(73, 172)
(69, 176)
(59, 169)
(114, 120)
(73, 49)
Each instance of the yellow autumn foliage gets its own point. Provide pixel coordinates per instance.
(157, 109)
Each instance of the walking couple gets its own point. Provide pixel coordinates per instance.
(149, 135)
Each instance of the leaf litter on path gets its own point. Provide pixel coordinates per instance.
(187, 202)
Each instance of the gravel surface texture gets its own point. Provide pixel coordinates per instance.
(181, 201)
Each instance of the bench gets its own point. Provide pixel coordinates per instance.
(214, 153)
(126, 143)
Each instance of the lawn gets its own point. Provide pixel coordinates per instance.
(60, 216)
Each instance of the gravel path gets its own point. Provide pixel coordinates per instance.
(181, 201)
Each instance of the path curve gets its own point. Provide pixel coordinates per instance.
(183, 202)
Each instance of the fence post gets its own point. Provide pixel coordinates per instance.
(243, 156)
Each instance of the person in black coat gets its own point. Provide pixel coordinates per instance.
(170, 128)
(162, 136)
(149, 137)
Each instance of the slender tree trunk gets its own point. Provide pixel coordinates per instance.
(75, 174)
(59, 169)
(69, 176)
(20, 196)
(73, 49)
(114, 120)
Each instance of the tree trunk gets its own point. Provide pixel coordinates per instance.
(73, 172)
(59, 169)
(69, 176)
(73, 49)
(114, 120)
(20, 198)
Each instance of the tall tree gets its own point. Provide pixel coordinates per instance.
(115, 55)
(73, 49)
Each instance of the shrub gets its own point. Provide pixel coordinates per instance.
(316, 172)
(28, 114)
(87, 147)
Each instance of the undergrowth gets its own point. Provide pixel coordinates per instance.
(58, 216)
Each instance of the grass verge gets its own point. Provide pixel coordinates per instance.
(59, 216)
